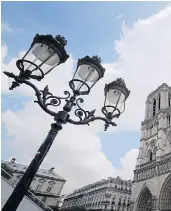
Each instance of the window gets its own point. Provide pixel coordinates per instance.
(49, 189)
(151, 128)
(147, 132)
(154, 153)
(168, 119)
(169, 100)
(151, 156)
(159, 103)
(39, 187)
(44, 199)
(154, 107)
(119, 203)
(19, 176)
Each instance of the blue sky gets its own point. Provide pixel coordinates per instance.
(90, 28)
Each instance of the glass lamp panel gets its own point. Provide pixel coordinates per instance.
(87, 76)
(46, 54)
(121, 106)
(40, 57)
(30, 61)
(88, 73)
(115, 96)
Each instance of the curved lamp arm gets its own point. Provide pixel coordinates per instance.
(85, 117)
(84, 122)
(44, 97)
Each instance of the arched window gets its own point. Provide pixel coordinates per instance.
(147, 132)
(151, 129)
(150, 155)
(159, 102)
(44, 198)
(169, 100)
(49, 187)
(154, 153)
(154, 107)
(168, 120)
(39, 187)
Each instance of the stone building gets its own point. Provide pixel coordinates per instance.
(110, 194)
(152, 175)
(47, 185)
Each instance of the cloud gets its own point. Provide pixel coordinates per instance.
(143, 61)
(128, 162)
(5, 27)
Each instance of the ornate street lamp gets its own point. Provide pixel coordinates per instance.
(88, 72)
(47, 52)
(116, 94)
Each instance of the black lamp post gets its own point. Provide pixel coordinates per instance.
(45, 53)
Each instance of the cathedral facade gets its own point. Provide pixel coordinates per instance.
(152, 175)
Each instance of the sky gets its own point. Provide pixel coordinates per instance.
(132, 38)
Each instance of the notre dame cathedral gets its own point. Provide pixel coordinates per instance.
(152, 174)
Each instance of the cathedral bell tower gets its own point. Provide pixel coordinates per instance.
(154, 159)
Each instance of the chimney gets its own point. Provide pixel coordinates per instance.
(13, 160)
(51, 170)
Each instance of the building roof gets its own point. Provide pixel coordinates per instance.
(156, 90)
(41, 172)
(117, 181)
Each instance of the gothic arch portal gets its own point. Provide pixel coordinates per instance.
(145, 200)
(165, 195)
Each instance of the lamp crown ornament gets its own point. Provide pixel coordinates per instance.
(88, 58)
(58, 39)
(61, 40)
(56, 44)
(119, 84)
(97, 59)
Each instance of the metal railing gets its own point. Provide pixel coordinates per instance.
(29, 193)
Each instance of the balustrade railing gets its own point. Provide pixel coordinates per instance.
(154, 168)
